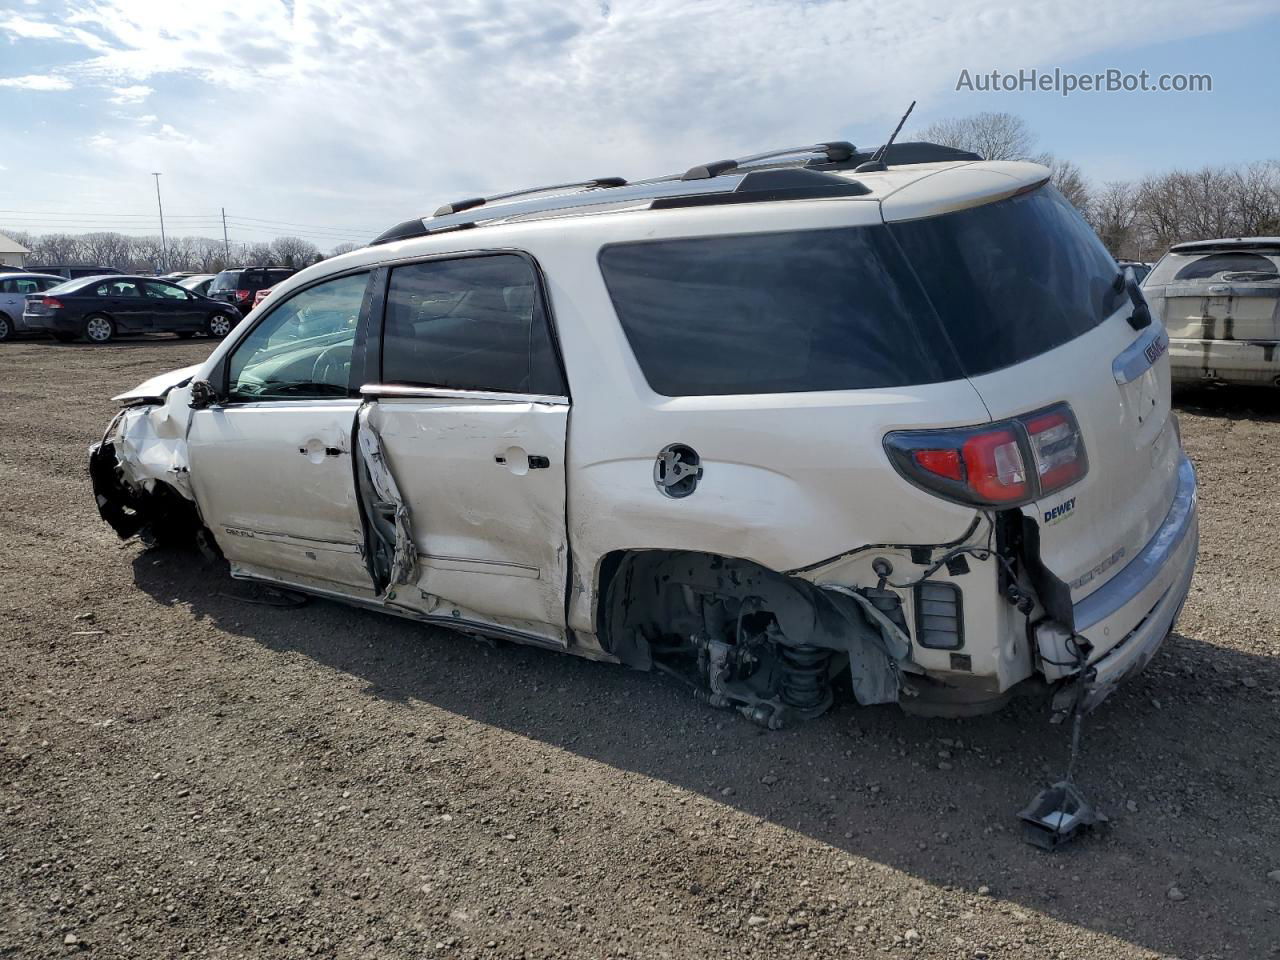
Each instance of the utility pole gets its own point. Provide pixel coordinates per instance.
(164, 247)
(226, 244)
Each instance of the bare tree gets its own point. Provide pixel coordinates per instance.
(1068, 178)
(1112, 212)
(58, 248)
(259, 255)
(994, 136)
(342, 248)
(294, 251)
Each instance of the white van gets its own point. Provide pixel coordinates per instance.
(761, 426)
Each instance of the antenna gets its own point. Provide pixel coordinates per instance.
(876, 163)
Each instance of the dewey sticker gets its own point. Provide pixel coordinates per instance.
(1060, 511)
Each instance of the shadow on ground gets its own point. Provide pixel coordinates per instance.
(1187, 793)
(1230, 402)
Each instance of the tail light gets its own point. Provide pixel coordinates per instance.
(1003, 464)
(243, 294)
(53, 303)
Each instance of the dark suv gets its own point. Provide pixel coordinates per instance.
(237, 286)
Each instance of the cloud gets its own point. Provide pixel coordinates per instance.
(371, 112)
(134, 94)
(36, 81)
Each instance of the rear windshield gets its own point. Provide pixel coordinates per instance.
(936, 299)
(1234, 265)
(1014, 279)
(71, 286)
(773, 313)
(226, 280)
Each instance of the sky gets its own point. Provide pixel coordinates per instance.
(333, 120)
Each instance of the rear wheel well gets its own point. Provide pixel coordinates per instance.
(742, 635)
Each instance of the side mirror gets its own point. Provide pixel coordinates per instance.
(202, 395)
(1140, 319)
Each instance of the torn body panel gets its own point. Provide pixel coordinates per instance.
(140, 470)
(391, 553)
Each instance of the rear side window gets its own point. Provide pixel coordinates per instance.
(469, 324)
(118, 288)
(774, 313)
(1013, 279)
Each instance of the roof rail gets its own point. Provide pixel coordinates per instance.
(836, 151)
(722, 181)
(459, 205)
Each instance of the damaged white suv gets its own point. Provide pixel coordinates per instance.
(760, 426)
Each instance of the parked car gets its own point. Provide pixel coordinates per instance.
(908, 426)
(14, 288)
(73, 271)
(239, 286)
(177, 275)
(1220, 301)
(198, 283)
(261, 295)
(101, 308)
(1137, 268)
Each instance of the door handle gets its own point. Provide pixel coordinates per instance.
(321, 451)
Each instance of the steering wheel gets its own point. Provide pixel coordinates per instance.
(333, 365)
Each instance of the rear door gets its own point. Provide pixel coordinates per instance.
(471, 410)
(124, 301)
(271, 466)
(1025, 290)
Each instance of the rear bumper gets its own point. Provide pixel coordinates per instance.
(1128, 618)
(1229, 361)
(47, 323)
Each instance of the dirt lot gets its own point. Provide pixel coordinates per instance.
(183, 773)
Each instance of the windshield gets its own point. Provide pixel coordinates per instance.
(71, 286)
(1013, 279)
(226, 280)
(191, 283)
(1210, 266)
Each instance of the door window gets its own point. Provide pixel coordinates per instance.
(165, 291)
(118, 288)
(302, 348)
(470, 324)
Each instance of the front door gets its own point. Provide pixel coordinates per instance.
(271, 464)
(471, 410)
(173, 307)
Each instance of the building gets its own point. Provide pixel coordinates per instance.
(12, 253)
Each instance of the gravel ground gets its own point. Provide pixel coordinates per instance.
(183, 773)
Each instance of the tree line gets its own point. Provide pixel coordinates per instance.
(148, 255)
(1136, 219)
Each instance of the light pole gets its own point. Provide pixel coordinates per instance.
(164, 247)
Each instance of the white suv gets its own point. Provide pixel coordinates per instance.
(1220, 301)
(759, 426)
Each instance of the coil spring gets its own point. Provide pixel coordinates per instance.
(804, 676)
